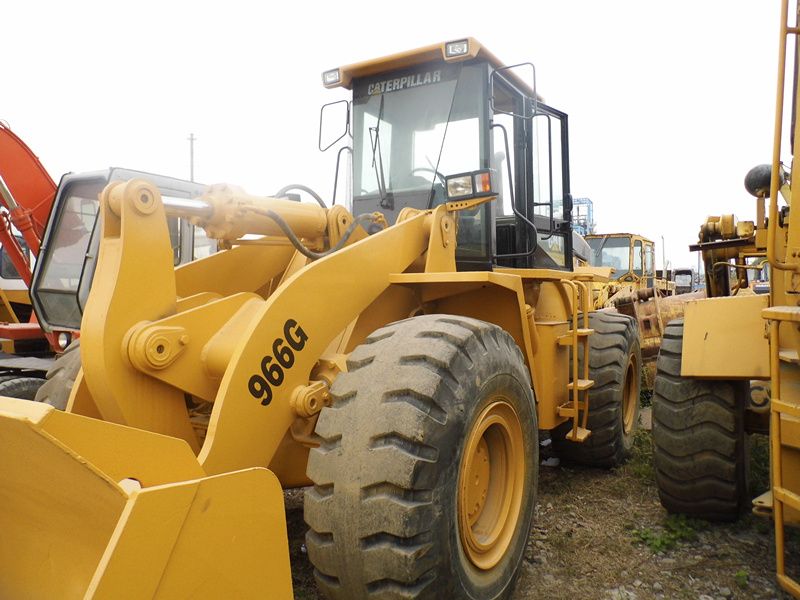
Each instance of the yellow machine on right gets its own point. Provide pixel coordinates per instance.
(703, 406)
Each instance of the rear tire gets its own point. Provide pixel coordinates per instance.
(615, 363)
(427, 403)
(61, 377)
(700, 446)
(24, 388)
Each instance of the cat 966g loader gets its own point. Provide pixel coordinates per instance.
(398, 355)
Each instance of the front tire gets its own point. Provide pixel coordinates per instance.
(425, 481)
(699, 441)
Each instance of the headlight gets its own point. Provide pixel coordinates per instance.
(469, 185)
(331, 77)
(64, 339)
(459, 186)
(457, 48)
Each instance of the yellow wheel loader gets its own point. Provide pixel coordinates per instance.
(631, 260)
(636, 289)
(705, 403)
(399, 356)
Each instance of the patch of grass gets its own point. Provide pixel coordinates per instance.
(675, 529)
(763, 526)
(742, 578)
(640, 463)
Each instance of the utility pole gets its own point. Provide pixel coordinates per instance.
(191, 139)
(663, 257)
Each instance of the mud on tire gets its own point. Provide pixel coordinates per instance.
(615, 361)
(384, 511)
(699, 438)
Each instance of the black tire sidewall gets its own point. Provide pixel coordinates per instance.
(628, 438)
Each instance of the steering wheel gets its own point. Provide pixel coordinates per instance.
(436, 173)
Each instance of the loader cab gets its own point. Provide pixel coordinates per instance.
(631, 256)
(420, 117)
(64, 270)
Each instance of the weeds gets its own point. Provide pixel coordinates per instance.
(640, 463)
(742, 578)
(675, 529)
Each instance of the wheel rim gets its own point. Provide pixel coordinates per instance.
(630, 397)
(490, 486)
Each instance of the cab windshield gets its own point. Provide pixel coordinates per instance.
(411, 129)
(611, 252)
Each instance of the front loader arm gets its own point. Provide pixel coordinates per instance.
(143, 355)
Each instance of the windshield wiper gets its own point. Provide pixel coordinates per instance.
(386, 201)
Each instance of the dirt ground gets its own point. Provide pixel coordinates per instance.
(603, 534)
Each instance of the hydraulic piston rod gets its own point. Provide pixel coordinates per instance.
(228, 213)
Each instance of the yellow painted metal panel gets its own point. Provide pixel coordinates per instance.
(551, 373)
(57, 512)
(124, 452)
(219, 537)
(241, 269)
(134, 251)
(725, 338)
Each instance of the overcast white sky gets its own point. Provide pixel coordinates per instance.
(670, 103)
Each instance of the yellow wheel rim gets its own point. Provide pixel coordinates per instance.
(490, 484)
(630, 396)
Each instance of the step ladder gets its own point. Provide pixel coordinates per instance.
(779, 409)
(577, 338)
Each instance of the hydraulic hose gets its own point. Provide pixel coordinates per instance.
(281, 193)
(299, 246)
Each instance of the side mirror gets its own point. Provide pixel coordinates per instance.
(334, 123)
(521, 77)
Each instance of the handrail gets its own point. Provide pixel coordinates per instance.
(774, 184)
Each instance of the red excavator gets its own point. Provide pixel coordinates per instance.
(27, 193)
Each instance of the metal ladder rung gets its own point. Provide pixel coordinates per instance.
(581, 435)
(785, 408)
(567, 338)
(786, 497)
(568, 410)
(582, 384)
(789, 584)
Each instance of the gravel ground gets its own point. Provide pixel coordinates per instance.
(603, 534)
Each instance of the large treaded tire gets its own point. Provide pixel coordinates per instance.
(24, 388)
(700, 446)
(383, 513)
(615, 361)
(61, 377)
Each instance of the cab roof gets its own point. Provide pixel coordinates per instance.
(418, 56)
(608, 235)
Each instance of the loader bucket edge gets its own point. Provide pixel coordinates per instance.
(69, 530)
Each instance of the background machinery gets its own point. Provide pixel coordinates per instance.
(636, 289)
(48, 232)
(26, 196)
(703, 406)
(398, 355)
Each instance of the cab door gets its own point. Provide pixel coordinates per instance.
(530, 161)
